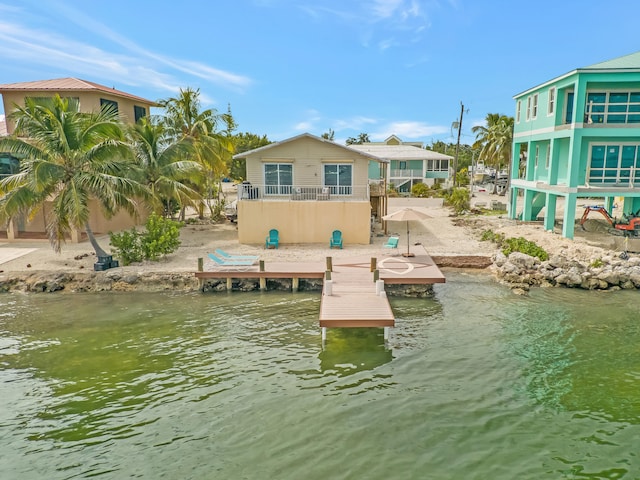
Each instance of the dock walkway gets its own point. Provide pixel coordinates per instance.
(351, 298)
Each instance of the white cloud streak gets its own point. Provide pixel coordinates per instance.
(135, 67)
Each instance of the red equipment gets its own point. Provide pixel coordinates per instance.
(630, 225)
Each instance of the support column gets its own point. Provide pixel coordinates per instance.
(550, 212)
(324, 334)
(386, 333)
(609, 204)
(568, 223)
(295, 283)
(263, 283)
(513, 203)
(229, 284)
(527, 206)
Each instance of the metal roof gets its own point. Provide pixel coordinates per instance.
(69, 84)
(626, 63)
(400, 152)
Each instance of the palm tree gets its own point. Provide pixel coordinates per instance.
(495, 141)
(68, 159)
(211, 150)
(163, 165)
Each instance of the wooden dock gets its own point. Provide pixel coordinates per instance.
(352, 299)
(354, 295)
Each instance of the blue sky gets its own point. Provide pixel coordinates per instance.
(287, 66)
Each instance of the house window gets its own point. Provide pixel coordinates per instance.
(104, 103)
(534, 107)
(528, 117)
(612, 107)
(537, 155)
(614, 164)
(569, 110)
(518, 108)
(547, 160)
(402, 165)
(139, 112)
(338, 177)
(551, 106)
(278, 178)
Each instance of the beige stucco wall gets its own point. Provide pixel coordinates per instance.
(307, 156)
(99, 224)
(89, 102)
(304, 221)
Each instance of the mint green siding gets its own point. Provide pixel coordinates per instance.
(578, 136)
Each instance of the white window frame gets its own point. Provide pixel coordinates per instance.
(528, 116)
(551, 105)
(338, 189)
(547, 161)
(518, 110)
(534, 108)
(279, 188)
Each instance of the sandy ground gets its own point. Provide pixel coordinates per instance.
(442, 234)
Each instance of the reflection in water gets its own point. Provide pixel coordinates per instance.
(473, 383)
(350, 350)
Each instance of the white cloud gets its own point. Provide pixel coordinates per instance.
(135, 67)
(386, 8)
(409, 130)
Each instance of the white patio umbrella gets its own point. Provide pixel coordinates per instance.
(406, 214)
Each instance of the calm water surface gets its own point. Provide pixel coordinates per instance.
(474, 384)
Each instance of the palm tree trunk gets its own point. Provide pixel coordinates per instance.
(94, 243)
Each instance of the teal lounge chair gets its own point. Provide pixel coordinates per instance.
(336, 239)
(233, 264)
(229, 256)
(392, 244)
(272, 239)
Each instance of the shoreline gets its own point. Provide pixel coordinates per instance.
(591, 260)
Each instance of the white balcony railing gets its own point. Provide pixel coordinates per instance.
(411, 173)
(248, 191)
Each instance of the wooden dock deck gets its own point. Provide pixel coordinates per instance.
(351, 298)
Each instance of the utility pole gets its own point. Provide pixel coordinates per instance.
(455, 161)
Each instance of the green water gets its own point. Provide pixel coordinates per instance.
(474, 384)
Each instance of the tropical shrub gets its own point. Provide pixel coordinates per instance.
(510, 245)
(161, 237)
(459, 199)
(420, 190)
(525, 246)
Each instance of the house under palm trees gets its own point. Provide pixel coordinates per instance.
(90, 97)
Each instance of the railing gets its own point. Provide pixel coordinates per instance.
(302, 192)
(412, 173)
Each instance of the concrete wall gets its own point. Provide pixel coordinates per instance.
(304, 222)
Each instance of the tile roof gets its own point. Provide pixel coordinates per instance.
(68, 85)
(400, 152)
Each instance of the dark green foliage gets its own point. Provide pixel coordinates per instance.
(162, 237)
(127, 246)
(491, 236)
(510, 245)
(525, 246)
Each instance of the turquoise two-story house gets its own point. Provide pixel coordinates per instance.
(575, 137)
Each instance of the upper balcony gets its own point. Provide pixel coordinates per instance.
(342, 193)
